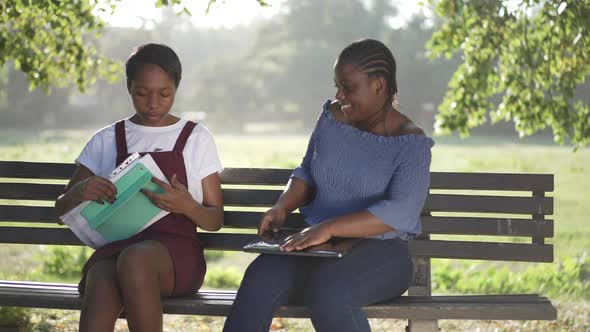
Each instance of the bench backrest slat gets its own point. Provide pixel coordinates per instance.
(267, 197)
(249, 219)
(36, 170)
(257, 176)
(429, 248)
(469, 204)
(491, 181)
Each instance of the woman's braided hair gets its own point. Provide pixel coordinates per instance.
(373, 58)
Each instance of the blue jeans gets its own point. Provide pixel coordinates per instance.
(333, 289)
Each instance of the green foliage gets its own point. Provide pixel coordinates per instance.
(66, 262)
(51, 42)
(228, 277)
(533, 55)
(213, 255)
(46, 41)
(212, 2)
(568, 278)
(14, 316)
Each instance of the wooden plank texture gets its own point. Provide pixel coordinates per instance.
(31, 191)
(217, 303)
(223, 241)
(267, 197)
(492, 181)
(36, 170)
(524, 252)
(241, 219)
(40, 214)
(487, 226)
(259, 176)
(488, 204)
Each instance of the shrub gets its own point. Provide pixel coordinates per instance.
(228, 277)
(65, 262)
(569, 278)
(213, 255)
(13, 316)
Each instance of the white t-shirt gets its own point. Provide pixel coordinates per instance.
(200, 152)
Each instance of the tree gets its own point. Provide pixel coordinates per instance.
(522, 61)
(51, 41)
(294, 53)
(45, 40)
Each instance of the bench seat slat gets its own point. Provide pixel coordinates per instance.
(430, 224)
(235, 242)
(218, 303)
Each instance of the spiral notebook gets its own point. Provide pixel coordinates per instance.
(98, 224)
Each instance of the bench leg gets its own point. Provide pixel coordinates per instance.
(421, 286)
(417, 325)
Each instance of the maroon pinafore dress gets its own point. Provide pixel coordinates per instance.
(176, 232)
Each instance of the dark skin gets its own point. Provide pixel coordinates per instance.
(142, 273)
(361, 101)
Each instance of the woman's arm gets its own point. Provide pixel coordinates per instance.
(398, 211)
(297, 193)
(85, 186)
(209, 215)
(177, 199)
(359, 224)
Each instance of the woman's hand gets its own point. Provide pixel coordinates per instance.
(176, 198)
(308, 237)
(94, 188)
(271, 221)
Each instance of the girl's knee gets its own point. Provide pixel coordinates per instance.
(101, 287)
(135, 265)
(102, 278)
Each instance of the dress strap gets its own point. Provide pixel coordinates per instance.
(184, 135)
(121, 140)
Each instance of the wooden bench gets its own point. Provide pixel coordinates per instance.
(474, 205)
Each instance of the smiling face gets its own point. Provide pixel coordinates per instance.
(360, 95)
(152, 91)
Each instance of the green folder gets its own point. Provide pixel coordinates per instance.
(131, 210)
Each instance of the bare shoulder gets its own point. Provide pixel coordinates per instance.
(405, 125)
(411, 128)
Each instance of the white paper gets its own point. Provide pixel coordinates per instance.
(79, 225)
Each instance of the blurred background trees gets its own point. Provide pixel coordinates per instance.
(522, 64)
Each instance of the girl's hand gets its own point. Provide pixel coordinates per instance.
(308, 237)
(94, 188)
(176, 198)
(271, 221)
